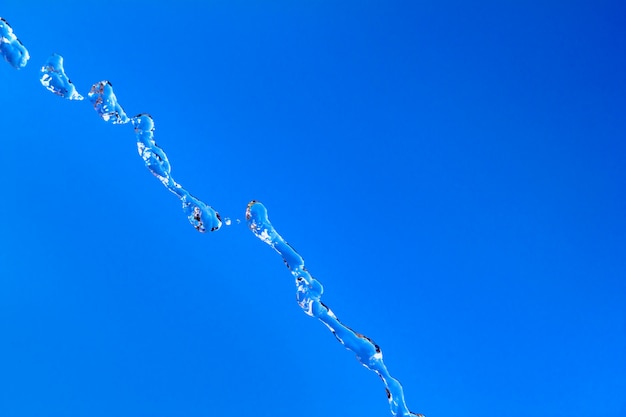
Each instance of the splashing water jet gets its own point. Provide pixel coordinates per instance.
(308, 294)
(202, 216)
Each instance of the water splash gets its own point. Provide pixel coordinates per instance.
(105, 103)
(308, 294)
(204, 217)
(53, 77)
(200, 215)
(11, 48)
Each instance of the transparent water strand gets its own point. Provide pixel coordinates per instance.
(202, 216)
(11, 49)
(54, 79)
(308, 294)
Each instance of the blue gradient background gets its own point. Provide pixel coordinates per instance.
(452, 172)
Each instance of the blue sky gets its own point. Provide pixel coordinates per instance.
(452, 172)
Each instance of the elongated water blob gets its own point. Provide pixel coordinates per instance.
(105, 103)
(11, 49)
(202, 216)
(308, 294)
(55, 80)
